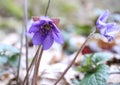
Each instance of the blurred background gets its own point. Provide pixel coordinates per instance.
(73, 14)
(77, 20)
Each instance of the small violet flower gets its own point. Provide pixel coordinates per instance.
(108, 30)
(45, 31)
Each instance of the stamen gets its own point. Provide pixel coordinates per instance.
(47, 26)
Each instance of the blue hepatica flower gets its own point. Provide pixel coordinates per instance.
(108, 30)
(45, 32)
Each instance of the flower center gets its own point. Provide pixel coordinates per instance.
(47, 26)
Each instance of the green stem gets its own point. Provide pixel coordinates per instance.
(81, 48)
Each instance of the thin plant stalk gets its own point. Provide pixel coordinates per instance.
(26, 39)
(46, 12)
(81, 48)
(36, 69)
(114, 72)
(31, 65)
(36, 55)
(19, 59)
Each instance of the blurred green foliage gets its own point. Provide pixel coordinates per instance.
(83, 29)
(8, 55)
(99, 77)
(77, 15)
(96, 72)
(91, 61)
(9, 7)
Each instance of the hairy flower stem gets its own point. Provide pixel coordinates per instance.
(31, 65)
(46, 12)
(36, 69)
(81, 48)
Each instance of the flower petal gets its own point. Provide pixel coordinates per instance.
(30, 34)
(36, 18)
(38, 38)
(48, 41)
(42, 35)
(103, 30)
(56, 21)
(58, 38)
(46, 18)
(55, 28)
(112, 27)
(109, 37)
(110, 31)
(34, 26)
(33, 29)
(104, 16)
(100, 23)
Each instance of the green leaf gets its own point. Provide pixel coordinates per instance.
(98, 77)
(8, 54)
(76, 82)
(84, 68)
(100, 57)
(3, 59)
(4, 47)
(13, 60)
(86, 64)
(87, 60)
(90, 61)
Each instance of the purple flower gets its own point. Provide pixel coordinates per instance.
(45, 32)
(108, 30)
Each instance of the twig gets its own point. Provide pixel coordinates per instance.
(31, 65)
(81, 48)
(36, 69)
